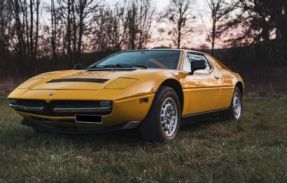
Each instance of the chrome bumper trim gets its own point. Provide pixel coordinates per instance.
(26, 108)
(81, 110)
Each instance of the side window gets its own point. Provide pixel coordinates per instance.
(186, 64)
(195, 58)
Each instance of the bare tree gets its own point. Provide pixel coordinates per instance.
(37, 9)
(85, 10)
(117, 29)
(179, 15)
(77, 16)
(26, 16)
(132, 25)
(100, 34)
(69, 4)
(54, 24)
(33, 28)
(139, 19)
(110, 28)
(6, 26)
(146, 14)
(31, 35)
(220, 11)
(19, 29)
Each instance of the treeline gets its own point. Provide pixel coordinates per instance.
(62, 30)
(37, 36)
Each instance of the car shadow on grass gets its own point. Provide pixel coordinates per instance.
(132, 137)
(195, 123)
(26, 137)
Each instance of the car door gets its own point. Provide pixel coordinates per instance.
(226, 83)
(202, 88)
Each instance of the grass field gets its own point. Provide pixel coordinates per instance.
(251, 150)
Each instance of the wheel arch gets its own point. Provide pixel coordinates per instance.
(174, 84)
(240, 86)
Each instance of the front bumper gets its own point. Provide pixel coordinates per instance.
(70, 127)
(124, 109)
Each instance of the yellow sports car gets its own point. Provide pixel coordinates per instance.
(149, 89)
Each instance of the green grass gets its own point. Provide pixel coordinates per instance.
(253, 149)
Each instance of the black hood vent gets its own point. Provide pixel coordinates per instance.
(85, 80)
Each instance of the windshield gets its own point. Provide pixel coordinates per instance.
(155, 59)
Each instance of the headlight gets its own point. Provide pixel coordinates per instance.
(106, 103)
(13, 102)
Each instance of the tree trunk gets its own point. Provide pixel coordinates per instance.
(31, 31)
(20, 38)
(37, 30)
(74, 26)
(54, 31)
(68, 46)
(81, 28)
(213, 34)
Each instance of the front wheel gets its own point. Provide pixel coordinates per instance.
(164, 118)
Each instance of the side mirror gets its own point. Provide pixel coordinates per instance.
(197, 65)
(78, 67)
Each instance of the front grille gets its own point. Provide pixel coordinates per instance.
(62, 108)
(28, 105)
(31, 103)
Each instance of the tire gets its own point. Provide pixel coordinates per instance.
(164, 117)
(235, 109)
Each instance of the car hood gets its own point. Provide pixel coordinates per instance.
(84, 80)
(73, 80)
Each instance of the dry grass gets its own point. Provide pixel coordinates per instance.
(251, 150)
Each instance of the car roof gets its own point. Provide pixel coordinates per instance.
(169, 49)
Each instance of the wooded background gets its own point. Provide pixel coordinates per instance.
(38, 36)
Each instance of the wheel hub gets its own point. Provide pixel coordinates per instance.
(169, 117)
(237, 106)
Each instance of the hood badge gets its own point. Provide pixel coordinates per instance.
(51, 94)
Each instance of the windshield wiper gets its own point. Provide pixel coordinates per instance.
(93, 67)
(125, 66)
(115, 66)
(140, 66)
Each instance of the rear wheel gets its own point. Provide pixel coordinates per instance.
(164, 118)
(235, 110)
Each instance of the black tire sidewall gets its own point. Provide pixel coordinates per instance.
(231, 112)
(162, 95)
